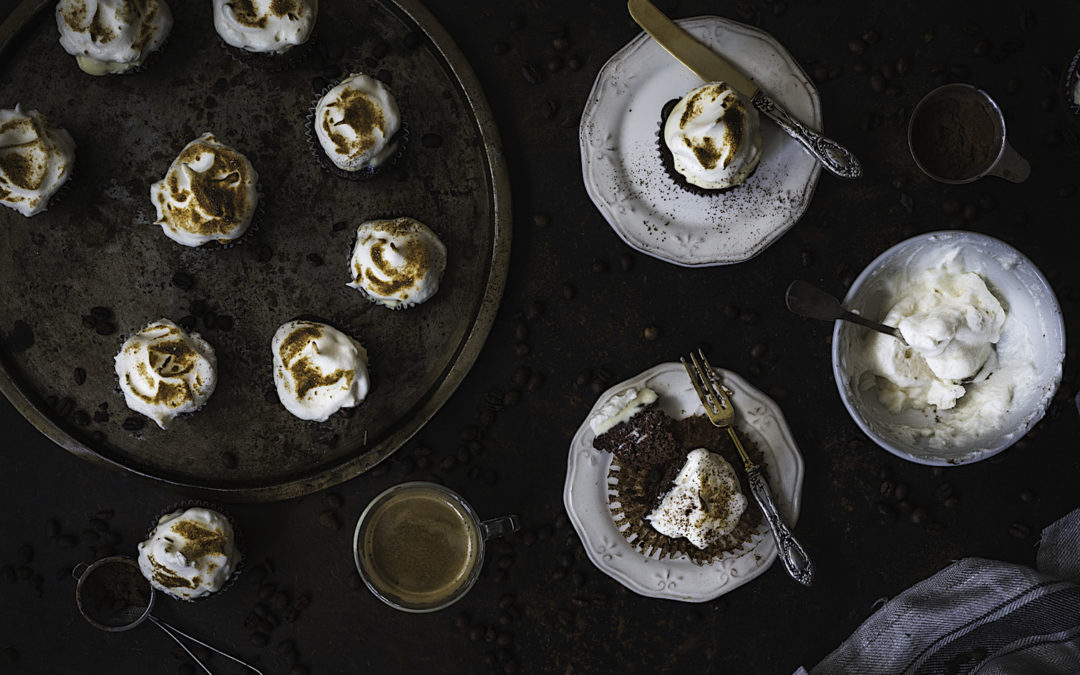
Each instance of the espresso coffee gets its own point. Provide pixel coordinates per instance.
(419, 547)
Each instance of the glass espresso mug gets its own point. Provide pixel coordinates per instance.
(419, 546)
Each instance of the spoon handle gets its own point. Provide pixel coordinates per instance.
(833, 156)
(873, 325)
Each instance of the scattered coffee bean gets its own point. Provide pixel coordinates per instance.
(82, 418)
(498, 48)
(52, 527)
(982, 48)
(329, 520)
(886, 509)
(133, 423)
(541, 220)
(574, 63)
(860, 67)
(901, 491)
(448, 464)
(951, 502)
(919, 515)
(902, 66)
(1019, 530)
(521, 331)
(66, 541)
(554, 64)
(944, 491)
(228, 460)
(758, 350)
(79, 375)
(530, 73)
(928, 36)
(569, 291)
(536, 380)
(380, 49)
(1027, 495)
(904, 506)
(870, 36)
(856, 46)
(65, 407)
(599, 266)
(934, 529)
(877, 82)
(461, 621)
(183, 281)
(887, 488)
(651, 333)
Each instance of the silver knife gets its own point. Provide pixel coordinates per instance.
(712, 67)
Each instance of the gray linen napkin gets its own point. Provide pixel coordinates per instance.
(978, 616)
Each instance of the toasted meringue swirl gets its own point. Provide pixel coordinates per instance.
(265, 26)
(112, 36)
(356, 122)
(189, 553)
(318, 370)
(397, 263)
(714, 137)
(35, 160)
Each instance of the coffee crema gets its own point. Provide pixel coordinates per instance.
(420, 548)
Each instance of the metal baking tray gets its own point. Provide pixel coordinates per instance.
(97, 246)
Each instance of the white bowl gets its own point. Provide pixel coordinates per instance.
(1023, 292)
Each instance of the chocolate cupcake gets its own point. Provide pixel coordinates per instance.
(109, 37)
(208, 194)
(710, 140)
(673, 491)
(355, 128)
(38, 159)
(191, 552)
(269, 35)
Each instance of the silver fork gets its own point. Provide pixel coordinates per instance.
(720, 412)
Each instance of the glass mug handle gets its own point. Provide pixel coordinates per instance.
(497, 527)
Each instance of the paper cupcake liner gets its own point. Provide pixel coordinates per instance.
(1070, 84)
(400, 138)
(272, 62)
(152, 58)
(238, 542)
(668, 160)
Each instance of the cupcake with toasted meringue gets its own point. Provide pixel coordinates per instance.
(397, 263)
(36, 160)
(355, 128)
(318, 370)
(109, 37)
(266, 34)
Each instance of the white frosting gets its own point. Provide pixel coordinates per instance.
(397, 263)
(190, 553)
(318, 370)
(265, 25)
(35, 160)
(968, 357)
(620, 408)
(208, 194)
(112, 36)
(714, 137)
(164, 371)
(705, 503)
(355, 123)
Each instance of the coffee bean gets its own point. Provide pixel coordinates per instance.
(1019, 530)
(919, 515)
(66, 541)
(133, 423)
(574, 63)
(651, 333)
(79, 375)
(902, 66)
(971, 28)
(877, 82)
(541, 220)
(329, 520)
(498, 48)
(521, 331)
(461, 621)
(928, 36)
(448, 464)
(100, 313)
(530, 73)
(564, 617)
(431, 140)
(183, 281)
(511, 398)
(870, 36)
(506, 601)
(82, 418)
(300, 670)
(887, 71)
(860, 67)
(904, 506)
(535, 382)
(65, 407)
(1027, 20)
(887, 510)
(951, 502)
(569, 291)
(228, 460)
(934, 529)
(1066, 191)
(887, 488)
(901, 491)
(599, 266)
(856, 46)
(758, 350)
(52, 527)
(1027, 495)
(944, 491)
(554, 64)
(982, 48)
(820, 72)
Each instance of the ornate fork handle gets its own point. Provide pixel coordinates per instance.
(791, 552)
(834, 156)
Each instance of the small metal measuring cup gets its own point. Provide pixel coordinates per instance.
(1001, 159)
(122, 613)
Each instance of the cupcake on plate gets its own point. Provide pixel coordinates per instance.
(165, 371)
(318, 370)
(112, 36)
(710, 140)
(1072, 85)
(266, 34)
(208, 194)
(357, 127)
(36, 159)
(397, 263)
(190, 553)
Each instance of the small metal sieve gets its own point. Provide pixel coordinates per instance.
(113, 595)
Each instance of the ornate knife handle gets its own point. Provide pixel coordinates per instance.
(834, 156)
(796, 561)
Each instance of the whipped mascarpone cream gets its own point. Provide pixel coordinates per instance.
(265, 26)
(208, 194)
(705, 502)
(356, 122)
(397, 263)
(164, 371)
(112, 36)
(967, 358)
(318, 370)
(714, 137)
(189, 553)
(620, 408)
(36, 159)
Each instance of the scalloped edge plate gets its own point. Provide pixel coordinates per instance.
(585, 493)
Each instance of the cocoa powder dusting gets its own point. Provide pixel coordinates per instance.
(954, 137)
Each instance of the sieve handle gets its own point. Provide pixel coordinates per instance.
(174, 632)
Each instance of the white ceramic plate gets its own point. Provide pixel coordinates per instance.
(620, 158)
(586, 492)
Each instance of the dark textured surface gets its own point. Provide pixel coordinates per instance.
(502, 438)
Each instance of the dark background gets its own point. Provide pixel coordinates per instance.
(581, 301)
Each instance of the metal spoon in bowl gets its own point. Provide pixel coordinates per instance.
(810, 301)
